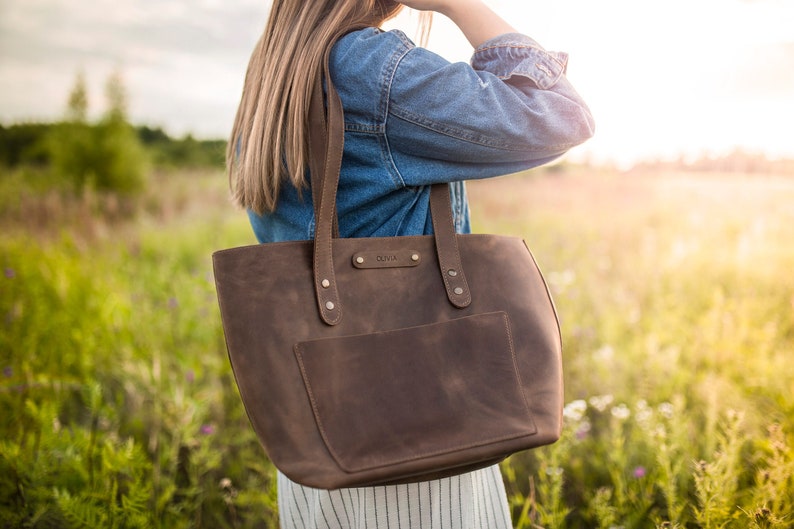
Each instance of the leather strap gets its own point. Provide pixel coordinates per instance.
(447, 246)
(318, 145)
(326, 143)
(325, 201)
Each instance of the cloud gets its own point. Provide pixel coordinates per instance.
(127, 29)
(173, 54)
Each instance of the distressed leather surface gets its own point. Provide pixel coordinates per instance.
(415, 392)
(267, 302)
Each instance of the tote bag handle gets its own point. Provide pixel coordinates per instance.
(326, 144)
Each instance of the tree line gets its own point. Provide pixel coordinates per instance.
(106, 154)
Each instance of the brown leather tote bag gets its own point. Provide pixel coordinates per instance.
(389, 360)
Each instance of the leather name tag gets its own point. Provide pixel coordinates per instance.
(387, 259)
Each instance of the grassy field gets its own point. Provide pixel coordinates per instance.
(675, 292)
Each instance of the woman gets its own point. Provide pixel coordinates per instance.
(411, 119)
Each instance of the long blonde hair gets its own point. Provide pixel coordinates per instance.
(268, 142)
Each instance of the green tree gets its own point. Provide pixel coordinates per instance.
(106, 156)
(77, 107)
(116, 96)
(121, 158)
(69, 144)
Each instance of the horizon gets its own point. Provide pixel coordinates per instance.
(683, 79)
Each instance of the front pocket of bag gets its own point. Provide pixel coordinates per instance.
(397, 396)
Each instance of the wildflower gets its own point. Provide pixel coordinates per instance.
(554, 471)
(9, 273)
(621, 412)
(644, 412)
(229, 492)
(8, 371)
(601, 402)
(574, 410)
(583, 430)
(666, 409)
(173, 303)
(207, 429)
(190, 376)
(763, 516)
(639, 472)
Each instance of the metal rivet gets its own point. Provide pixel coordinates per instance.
(330, 305)
(453, 273)
(360, 260)
(458, 291)
(325, 283)
(415, 257)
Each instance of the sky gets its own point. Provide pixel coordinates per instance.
(663, 79)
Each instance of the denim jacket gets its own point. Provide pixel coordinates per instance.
(413, 119)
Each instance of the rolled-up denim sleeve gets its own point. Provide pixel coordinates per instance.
(511, 109)
(517, 56)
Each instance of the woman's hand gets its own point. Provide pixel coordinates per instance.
(475, 19)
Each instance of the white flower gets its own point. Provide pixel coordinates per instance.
(554, 471)
(644, 412)
(621, 412)
(574, 410)
(666, 410)
(601, 402)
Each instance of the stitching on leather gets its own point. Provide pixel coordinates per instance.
(457, 262)
(320, 263)
(506, 321)
(315, 408)
(420, 455)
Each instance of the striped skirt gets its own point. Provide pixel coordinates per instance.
(475, 500)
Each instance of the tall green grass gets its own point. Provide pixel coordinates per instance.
(676, 296)
(120, 406)
(677, 304)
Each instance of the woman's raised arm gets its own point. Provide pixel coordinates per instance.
(475, 19)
